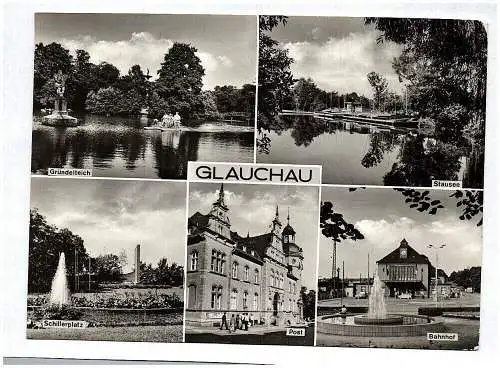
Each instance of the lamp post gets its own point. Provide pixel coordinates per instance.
(436, 248)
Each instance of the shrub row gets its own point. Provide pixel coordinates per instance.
(148, 300)
(438, 311)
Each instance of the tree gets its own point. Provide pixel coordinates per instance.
(180, 80)
(245, 100)
(308, 302)
(209, 105)
(106, 75)
(82, 80)
(122, 259)
(334, 226)
(226, 98)
(307, 96)
(445, 68)
(105, 101)
(108, 268)
(275, 76)
(379, 85)
(469, 277)
(48, 61)
(46, 243)
(162, 274)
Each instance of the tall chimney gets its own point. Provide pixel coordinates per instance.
(137, 258)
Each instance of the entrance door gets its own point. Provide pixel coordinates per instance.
(276, 300)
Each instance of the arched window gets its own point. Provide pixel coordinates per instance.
(271, 278)
(234, 299)
(194, 261)
(256, 302)
(234, 271)
(256, 276)
(245, 299)
(246, 273)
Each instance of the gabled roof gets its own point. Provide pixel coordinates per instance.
(198, 220)
(258, 243)
(412, 256)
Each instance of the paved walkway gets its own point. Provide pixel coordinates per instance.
(255, 330)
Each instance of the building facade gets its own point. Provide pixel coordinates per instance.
(405, 271)
(259, 275)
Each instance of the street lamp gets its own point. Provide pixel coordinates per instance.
(436, 248)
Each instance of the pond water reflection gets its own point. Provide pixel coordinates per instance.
(354, 153)
(120, 147)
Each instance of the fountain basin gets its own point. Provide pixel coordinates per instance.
(411, 325)
(390, 319)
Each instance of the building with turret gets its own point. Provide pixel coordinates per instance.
(258, 275)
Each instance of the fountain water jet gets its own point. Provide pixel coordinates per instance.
(377, 313)
(376, 301)
(59, 292)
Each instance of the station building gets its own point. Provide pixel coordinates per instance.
(259, 275)
(405, 271)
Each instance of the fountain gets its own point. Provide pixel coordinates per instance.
(377, 322)
(377, 313)
(59, 293)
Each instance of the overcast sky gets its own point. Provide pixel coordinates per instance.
(111, 215)
(226, 44)
(252, 208)
(337, 53)
(385, 219)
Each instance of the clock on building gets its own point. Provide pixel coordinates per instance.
(402, 253)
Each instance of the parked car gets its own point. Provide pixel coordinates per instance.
(404, 296)
(361, 295)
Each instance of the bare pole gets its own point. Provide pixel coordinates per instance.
(342, 291)
(76, 270)
(334, 265)
(368, 276)
(89, 272)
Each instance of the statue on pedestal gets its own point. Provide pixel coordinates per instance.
(59, 116)
(60, 83)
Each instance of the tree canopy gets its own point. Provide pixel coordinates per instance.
(444, 63)
(46, 243)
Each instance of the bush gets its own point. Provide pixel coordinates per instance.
(438, 311)
(57, 312)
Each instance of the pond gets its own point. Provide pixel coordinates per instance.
(359, 153)
(120, 147)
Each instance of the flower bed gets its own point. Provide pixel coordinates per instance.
(126, 300)
(119, 318)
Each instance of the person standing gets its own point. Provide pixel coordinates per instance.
(232, 323)
(238, 322)
(246, 321)
(224, 322)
